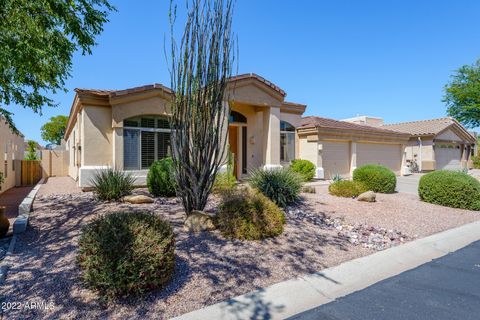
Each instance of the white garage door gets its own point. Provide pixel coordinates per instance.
(336, 159)
(388, 155)
(448, 157)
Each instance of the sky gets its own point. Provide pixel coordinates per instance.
(388, 59)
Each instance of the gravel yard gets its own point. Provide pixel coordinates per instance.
(208, 268)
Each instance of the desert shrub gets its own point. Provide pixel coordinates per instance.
(112, 184)
(304, 168)
(224, 182)
(282, 186)
(249, 215)
(476, 161)
(376, 178)
(160, 179)
(450, 189)
(347, 188)
(337, 177)
(126, 253)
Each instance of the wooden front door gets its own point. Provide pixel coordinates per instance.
(233, 143)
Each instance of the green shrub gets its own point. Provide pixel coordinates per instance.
(126, 253)
(160, 179)
(112, 184)
(376, 178)
(282, 186)
(249, 215)
(450, 189)
(347, 188)
(224, 182)
(304, 168)
(476, 162)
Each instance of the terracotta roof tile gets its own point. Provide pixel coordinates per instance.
(318, 122)
(422, 127)
(259, 78)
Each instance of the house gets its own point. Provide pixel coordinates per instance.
(338, 147)
(12, 148)
(437, 143)
(128, 129)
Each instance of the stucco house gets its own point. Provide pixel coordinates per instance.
(128, 129)
(12, 148)
(338, 147)
(437, 143)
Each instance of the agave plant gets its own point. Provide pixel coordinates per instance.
(112, 184)
(337, 178)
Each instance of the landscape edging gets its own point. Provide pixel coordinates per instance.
(24, 209)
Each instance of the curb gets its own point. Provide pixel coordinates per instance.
(288, 298)
(4, 268)
(24, 209)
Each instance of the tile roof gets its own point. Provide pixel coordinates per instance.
(422, 127)
(116, 93)
(318, 122)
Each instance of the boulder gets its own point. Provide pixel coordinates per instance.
(198, 221)
(138, 199)
(368, 196)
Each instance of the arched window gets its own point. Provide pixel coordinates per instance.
(237, 117)
(145, 139)
(287, 142)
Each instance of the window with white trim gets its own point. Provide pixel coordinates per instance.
(287, 142)
(145, 140)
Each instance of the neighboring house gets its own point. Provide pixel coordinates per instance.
(338, 147)
(11, 148)
(129, 129)
(438, 143)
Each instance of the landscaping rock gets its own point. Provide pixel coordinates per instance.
(368, 196)
(138, 199)
(198, 221)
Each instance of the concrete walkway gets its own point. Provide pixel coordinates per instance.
(409, 184)
(446, 288)
(12, 199)
(297, 295)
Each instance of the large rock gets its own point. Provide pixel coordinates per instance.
(138, 199)
(368, 196)
(198, 221)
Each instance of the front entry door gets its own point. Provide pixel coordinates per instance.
(233, 142)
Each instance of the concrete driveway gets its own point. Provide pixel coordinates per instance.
(446, 288)
(409, 184)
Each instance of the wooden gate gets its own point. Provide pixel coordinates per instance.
(31, 172)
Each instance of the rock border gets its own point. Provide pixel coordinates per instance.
(24, 209)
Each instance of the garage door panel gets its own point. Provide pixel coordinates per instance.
(336, 159)
(448, 157)
(388, 155)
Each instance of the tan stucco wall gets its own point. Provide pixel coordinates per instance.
(149, 106)
(11, 148)
(97, 138)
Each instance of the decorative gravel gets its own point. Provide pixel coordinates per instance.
(322, 231)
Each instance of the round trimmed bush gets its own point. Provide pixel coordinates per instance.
(249, 215)
(347, 188)
(304, 168)
(126, 253)
(450, 189)
(160, 179)
(376, 178)
(282, 186)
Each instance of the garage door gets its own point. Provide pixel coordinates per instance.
(387, 155)
(448, 157)
(336, 159)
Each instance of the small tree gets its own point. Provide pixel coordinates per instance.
(31, 150)
(199, 77)
(54, 129)
(462, 95)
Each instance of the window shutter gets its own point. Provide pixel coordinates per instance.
(163, 145)
(130, 149)
(148, 149)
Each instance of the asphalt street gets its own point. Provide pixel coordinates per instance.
(443, 289)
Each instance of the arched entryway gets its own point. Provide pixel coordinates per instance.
(237, 140)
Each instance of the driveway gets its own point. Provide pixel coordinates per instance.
(446, 288)
(409, 184)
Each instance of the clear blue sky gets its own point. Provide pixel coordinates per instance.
(382, 58)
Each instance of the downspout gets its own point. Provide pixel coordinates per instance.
(420, 158)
